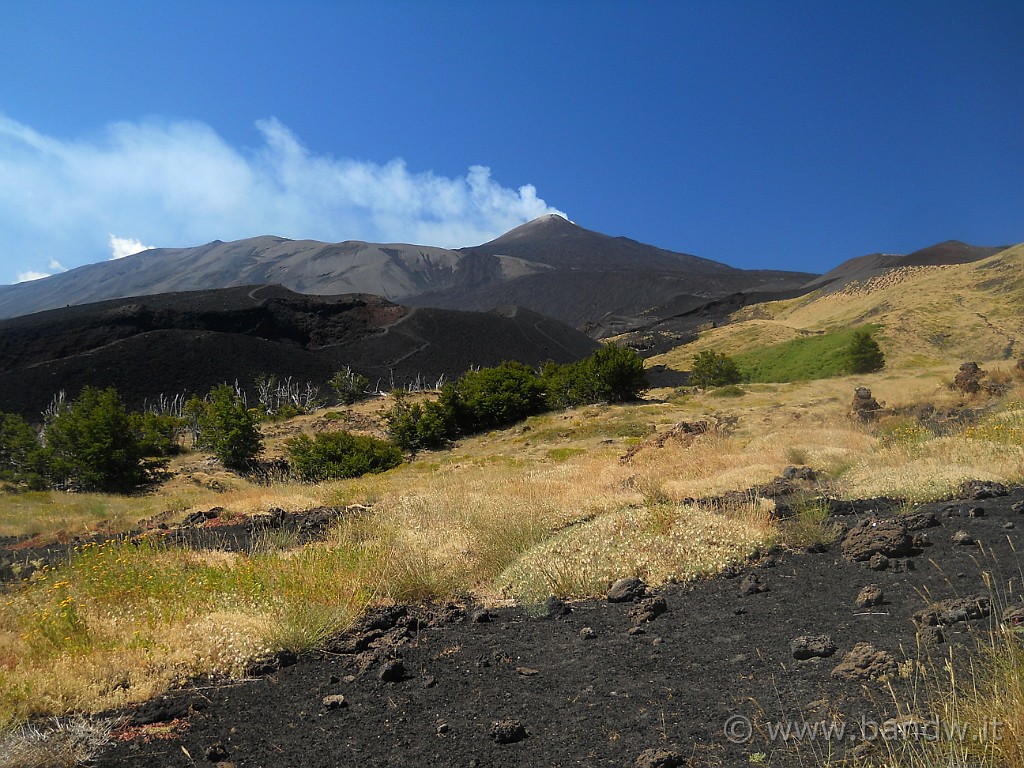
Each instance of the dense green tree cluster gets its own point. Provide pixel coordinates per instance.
(94, 443)
(419, 425)
(612, 374)
(349, 386)
(489, 398)
(21, 453)
(331, 455)
(90, 444)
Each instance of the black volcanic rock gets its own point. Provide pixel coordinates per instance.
(185, 343)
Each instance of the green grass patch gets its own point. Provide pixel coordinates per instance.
(563, 454)
(810, 357)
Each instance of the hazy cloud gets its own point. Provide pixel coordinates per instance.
(125, 246)
(179, 183)
(24, 277)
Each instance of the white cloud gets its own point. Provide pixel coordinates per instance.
(24, 277)
(179, 184)
(126, 246)
(32, 274)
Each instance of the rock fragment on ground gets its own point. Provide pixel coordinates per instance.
(507, 731)
(659, 758)
(627, 590)
(812, 647)
(648, 609)
(864, 407)
(752, 584)
(865, 662)
(877, 537)
(334, 701)
(953, 610)
(393, 672)
(963, 539)
(981, 489)
(556, 607)
(869, 596)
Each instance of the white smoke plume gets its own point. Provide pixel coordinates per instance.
(178, 183)
(125, 246)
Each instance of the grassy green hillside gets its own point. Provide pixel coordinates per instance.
(808, 357)
(925, 316)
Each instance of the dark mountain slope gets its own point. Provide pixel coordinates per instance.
(559, 243)
(188, 342)
(550, 265)
(602, 285)
(863, 268)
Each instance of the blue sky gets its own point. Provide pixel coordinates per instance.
(784, 134)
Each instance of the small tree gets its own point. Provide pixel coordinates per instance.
(413, 426)
(92, 445)
(21, 460)
(619, 373)
(158, 433)
(227, 429)
(349, 386)
(494, 397)
(713, 369)
(863, 355)
(332, 455)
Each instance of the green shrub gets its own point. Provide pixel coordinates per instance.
(713, 369)
(494, 397)
(729, 390)
(332, 455)
(612, 374)
(413, 426)
(349, 386)
(21, 455)
(225, 427)
(863, 355)
(91, 444)
(619, 374)
(157, 433)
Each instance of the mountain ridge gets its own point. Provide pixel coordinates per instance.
(536, 265)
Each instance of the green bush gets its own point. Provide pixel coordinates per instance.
(91, 444)
(863, 355)
(729, 390)
(349, 386)
(613, 374)
(332, 455)
(494, 397)
(224, 426)
(712, 369)
(157, 433)
(413, 426)
(21, 455)
(619, 374)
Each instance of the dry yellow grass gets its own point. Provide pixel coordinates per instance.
(123, 622)
(659, 542)
(929, 316)
(546, 506)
